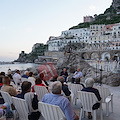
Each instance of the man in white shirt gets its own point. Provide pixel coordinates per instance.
(77, 75)
(17, 78)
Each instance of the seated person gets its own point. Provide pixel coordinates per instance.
(76, 77)
(7, 87)
(64, 73)
(38, 82)
(1, 84)
(5, 110)
(17, 78)
(34, 114)
(64, 86)
(55, 98)
(31, 78)
(9, 74)
(89, 88)
(26, 74)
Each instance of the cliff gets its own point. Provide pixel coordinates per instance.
(38, 49)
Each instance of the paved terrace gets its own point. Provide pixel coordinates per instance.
(116, 106)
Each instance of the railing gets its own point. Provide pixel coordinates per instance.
(105, 66)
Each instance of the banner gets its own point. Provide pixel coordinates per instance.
(47, 71)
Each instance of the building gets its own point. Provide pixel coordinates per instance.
(88, 19)
(116, 31)
(73, 36)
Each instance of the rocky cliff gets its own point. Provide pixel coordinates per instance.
(37, 50)
(72, 61)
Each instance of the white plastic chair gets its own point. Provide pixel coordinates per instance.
(87, 100)
(51, 112)
(75, 88)
(8, 99)
(21, 107)
(40, 91)
(107, 97)
(23, 79)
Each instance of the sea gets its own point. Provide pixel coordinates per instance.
(19, 66)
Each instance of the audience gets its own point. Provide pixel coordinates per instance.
(64, 86)
(7, 87)
(38, 82)
(89, 88)
(55, 98)
(34, 114)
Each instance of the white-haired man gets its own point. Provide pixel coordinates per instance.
(55, 98)
(89, 88)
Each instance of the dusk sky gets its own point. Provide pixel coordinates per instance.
(26, 22)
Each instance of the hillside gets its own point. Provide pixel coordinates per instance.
(37, 51)
(110, 16)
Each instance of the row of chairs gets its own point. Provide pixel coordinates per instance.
(87, 100)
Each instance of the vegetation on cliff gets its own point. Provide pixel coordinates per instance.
(37, 51)
(110, 16)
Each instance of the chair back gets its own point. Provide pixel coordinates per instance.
(104, 92)
(51, 112)
(40, 91)
(23, 79)
(7, 98)
(75, 88)
(21, 107)
(87, 99)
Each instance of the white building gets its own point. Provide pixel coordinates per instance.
(116, 31)
(73, 36)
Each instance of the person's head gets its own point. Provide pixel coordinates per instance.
(61, 79)
(26, 73)
(26, 86)
(64, 69)
(30, 74)
(38, 80)
(78, 69)
(17, 71)
(9, 71)
(6, 80)
(89, 82)
(56, 87)
(2, 73)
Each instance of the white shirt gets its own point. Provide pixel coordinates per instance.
(77, 74)
(17, 78)
(32, 80)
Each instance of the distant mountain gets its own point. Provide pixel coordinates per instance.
(110, 16)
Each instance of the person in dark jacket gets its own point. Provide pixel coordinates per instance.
(34, 114)
(64, 86)
(89, 88)
(64, 73)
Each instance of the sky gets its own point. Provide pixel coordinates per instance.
(26, 22)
